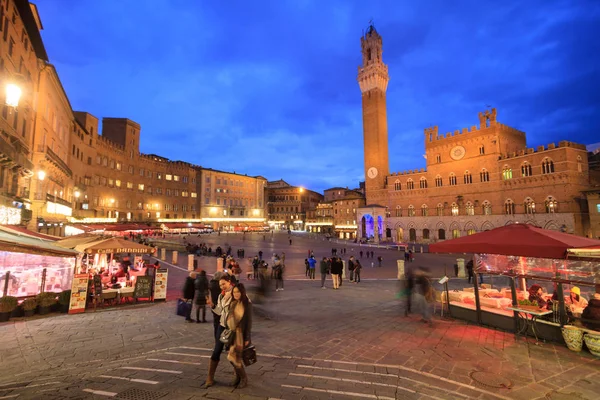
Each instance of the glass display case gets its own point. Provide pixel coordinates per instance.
(28, 273)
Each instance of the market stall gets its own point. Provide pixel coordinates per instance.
(522, 262)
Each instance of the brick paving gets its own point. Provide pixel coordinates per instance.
(316, 344)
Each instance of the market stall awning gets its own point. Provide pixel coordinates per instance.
(25, 231)
(114, 245)
(111, 227)
(20, 243)
(182, 225)
(517, 240)
(73, 241)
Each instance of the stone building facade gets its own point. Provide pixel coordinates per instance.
(336, 214)
(475, 179)
(288, 205)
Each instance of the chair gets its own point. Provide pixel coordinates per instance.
(109, 297)
(438, 302)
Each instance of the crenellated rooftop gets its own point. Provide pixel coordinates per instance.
(542, 149)
(165, 161)
(101, 140)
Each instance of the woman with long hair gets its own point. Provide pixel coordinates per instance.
(239, 320)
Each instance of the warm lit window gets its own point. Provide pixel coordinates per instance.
(194, 194)
(424, 210)
(398, 211)
(129, 185)
(141, 187)
(529, 205)
(176, 178)
(507, 173)
(440, 210)
(119, 166)
(454, 209)
(469, 209)
(551, 205)
(487, 208)
(169, 177)
(411, 211)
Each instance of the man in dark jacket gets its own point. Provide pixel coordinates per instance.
(188, 294)
(591, 314)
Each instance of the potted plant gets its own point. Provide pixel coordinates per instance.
(529, 305)
(64, 298)
(7, 305)
(29, 306)
(46, 301)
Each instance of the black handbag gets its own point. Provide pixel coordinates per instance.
(249, 355)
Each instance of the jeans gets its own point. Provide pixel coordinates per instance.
(311, 273)
(278, 282)
(356, 276)
(216, 355)
(424, 306)
(351, 275)
(323, 277)
(216, 324)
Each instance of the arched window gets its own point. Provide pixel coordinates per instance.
(547, 166)
(440, 210)
(579, 165)
(425, 233)
(509, 207)
(438, 181)
(423, 183)
(484, 176)
(410, 185)
(526, 169)
(529, 206)
(469, 209)
(487, 208)
(506, 173)
(452, 179)
(397, 185)
(438, 158)
(551, 205)
(424, 211)
(398, 211)
(454, 209)
(411, 211)
(481, 150)
(467, 178)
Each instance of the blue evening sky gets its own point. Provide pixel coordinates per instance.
(269, 87)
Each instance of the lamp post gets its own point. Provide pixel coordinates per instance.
(41, 175)
(76, 194)
(13, 95)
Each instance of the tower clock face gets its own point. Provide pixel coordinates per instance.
(457, 152)
(372, 172)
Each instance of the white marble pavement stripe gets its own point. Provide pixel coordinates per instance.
(100, 392)
(331, 378)
(166, 371)
(10, 396)
(378, 374)
(400, 367)
(331, 391)
(174, 361)
(130, 379)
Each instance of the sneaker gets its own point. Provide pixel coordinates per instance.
(323, 287)
(281, 289)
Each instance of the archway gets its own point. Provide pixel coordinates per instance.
(441, 234)
(399, 235)
(368, 226)
(412, 235)
(388, 232)
(426, 234)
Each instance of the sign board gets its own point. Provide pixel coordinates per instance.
(160, 284)
(143, 287)
(79, 288)
(97, 285)
(443, 280)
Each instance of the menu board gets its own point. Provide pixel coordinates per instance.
(97, 285)
(79, 288)
(160, 284)
(143, 287)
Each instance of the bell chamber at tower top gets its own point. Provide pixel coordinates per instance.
(373, 74)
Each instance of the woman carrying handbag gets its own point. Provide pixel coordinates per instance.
(239, 320)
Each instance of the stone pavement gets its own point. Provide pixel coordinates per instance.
(351, 343)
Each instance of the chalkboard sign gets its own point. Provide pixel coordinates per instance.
(143, 287)
(97, 285)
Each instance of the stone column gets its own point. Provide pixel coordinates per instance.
(174, 260)
(190, 262)
(400, 269)
(163, 254)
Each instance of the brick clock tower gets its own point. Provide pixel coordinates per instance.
(373, 81)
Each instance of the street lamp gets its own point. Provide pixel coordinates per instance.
(13, 94)
(41, 174)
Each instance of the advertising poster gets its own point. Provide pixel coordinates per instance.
(79, 289)
(160, 284)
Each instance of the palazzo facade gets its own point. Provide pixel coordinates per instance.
(476, 178)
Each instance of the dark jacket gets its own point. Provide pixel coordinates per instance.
(201, 286)
(246, 323)
(337, 267)
(188, 288)
(591, 315)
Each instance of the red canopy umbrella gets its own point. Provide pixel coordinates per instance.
(516, 240)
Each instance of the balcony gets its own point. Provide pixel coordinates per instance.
(10, 155)
(57, 161)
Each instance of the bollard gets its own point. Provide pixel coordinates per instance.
(421, 249)
(190, 262)
(163, 254)
(219, 264)
(174, 259)
(400, 269)
(461, 267)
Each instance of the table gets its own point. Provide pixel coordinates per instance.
(529, 317)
